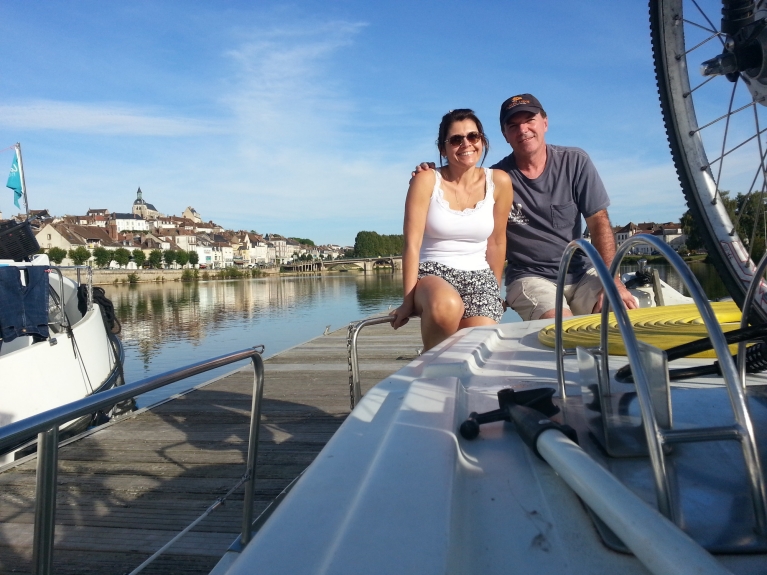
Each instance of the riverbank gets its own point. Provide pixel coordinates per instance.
(109, 277)
(663, 260)
(123, 276)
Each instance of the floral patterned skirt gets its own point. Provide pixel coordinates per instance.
(478, 289)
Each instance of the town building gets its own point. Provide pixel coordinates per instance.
(126, 222)
(670, 232)
(143, 209)
(191, 214)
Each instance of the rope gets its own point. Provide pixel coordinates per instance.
(208, 511)
(664, 327)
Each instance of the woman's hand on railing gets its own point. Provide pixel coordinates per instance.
(401, 315)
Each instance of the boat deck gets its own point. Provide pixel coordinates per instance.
(397, 476)
(127, 488)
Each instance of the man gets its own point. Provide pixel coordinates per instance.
(553, 187)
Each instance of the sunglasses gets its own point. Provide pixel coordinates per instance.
(471, 137)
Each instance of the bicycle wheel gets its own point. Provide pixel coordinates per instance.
(716, 123)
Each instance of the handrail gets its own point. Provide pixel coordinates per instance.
(744, 425)
(46, 425)
(662, 488)
(656, 437)
(355, 393)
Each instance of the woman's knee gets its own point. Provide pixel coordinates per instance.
(446, 307)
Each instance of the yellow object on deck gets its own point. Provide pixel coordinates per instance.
(664, 327)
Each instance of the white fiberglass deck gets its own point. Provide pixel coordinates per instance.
(398, 491)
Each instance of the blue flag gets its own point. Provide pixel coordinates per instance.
(14, 181)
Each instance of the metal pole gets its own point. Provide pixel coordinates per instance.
(45, 501)
(21, 173)
(255, 423)
(659, 544)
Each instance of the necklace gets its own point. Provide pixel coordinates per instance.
(455, 192)
(457, 199)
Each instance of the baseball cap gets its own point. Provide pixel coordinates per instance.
(519, 103)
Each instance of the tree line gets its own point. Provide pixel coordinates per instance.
(373, 244)
(102, 257)
(747, 213)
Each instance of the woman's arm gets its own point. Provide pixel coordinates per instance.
(496, 243)
(416, 208)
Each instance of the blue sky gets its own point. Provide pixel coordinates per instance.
(306, 118)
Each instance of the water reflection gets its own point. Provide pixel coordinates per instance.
(174, 324)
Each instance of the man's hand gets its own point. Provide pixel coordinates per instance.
(628, 300)
(422, 167)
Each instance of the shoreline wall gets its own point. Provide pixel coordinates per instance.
(111, 276)
(121, 276)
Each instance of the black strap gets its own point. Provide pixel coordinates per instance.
(105, 304)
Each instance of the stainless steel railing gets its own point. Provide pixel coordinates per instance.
(46, 425)
(657, 436)
(355, 391)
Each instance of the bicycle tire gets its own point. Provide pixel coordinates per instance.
(725, 247)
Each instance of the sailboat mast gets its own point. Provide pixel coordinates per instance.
(21, 173)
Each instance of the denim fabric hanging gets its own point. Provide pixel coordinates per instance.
(23, 308)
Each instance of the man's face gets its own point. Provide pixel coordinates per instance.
(525, 132)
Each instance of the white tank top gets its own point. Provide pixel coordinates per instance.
(458, 239)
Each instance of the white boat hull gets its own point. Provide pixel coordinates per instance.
(41, 376)
(396, 490)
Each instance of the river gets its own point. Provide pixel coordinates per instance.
(173, 324)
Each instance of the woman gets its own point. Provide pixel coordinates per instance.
(455, 235)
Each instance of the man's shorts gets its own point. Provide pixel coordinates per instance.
(531, 297)
(478, 289)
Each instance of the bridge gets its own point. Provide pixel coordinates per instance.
(365, 264)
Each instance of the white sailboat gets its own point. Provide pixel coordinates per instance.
(69, 354)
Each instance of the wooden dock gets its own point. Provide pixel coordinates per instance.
(125, 489)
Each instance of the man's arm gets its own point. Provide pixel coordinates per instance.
(603, 239)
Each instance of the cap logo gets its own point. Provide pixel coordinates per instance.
(517, 101)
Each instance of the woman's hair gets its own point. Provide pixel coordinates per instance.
(457, 116)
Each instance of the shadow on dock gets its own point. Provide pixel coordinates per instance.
(127, 490)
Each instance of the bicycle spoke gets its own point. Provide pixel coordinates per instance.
(706, 81)
(724, 139)
(702, 13)
(720, 118)
(743, 143)
(712, 30)
(706, 41)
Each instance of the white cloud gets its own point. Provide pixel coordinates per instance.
(286, 93)
(105, 119)
(298, 155)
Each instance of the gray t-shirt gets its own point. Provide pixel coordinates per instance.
(546, 214)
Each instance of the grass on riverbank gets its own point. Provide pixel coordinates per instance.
(224, 274)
